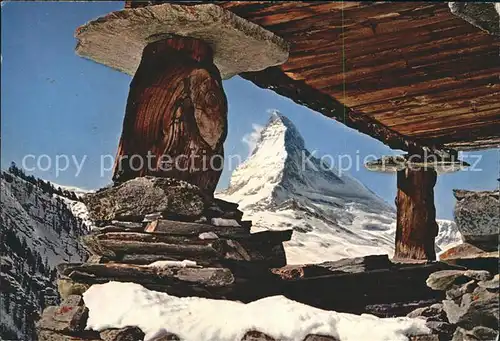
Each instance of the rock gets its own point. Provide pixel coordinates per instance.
(118, 39)
(471, 257)
(124, 334)
(478, 333)
(464, 250)
(48, 335)
(492, 285)
(484, 333)
(460, 335)
(67, 288)
(224, 222)
(208, 235)
(73, 300)
(164, 226)
(223, 209)
(258, 336)
(312, 337)
(254, 335)
(443, 280)
(102, 273)
(152, 217)
(128, 224)
(478, 275)
(477, 215)
(481, 310)
(424, 338)
(459, 291)
(453, 310)
(436, 311)
(63, 319)
(133, 199)
(480, 14)
(113, 244)
(346, 265)
(443, 329)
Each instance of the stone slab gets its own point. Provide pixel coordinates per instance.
(477, 215)
(133, 199)
(118, 39)
(102, 273)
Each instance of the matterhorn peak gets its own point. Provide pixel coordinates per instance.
(279, 132)
(280, 168)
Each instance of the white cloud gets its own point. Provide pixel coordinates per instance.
(251, 139)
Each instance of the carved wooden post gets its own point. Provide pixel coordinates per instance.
(175, 121)
(176, 117)
(416, 227)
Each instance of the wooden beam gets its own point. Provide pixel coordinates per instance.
(301, 93)
(416, 227)
(176, 116)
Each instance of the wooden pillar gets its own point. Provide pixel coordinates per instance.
(416, 215)
(176, 116)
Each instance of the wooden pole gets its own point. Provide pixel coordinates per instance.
(416, 215)
(176, 116)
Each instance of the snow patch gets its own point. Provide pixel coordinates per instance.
(208, 235)
(118, 304)
(173, 263)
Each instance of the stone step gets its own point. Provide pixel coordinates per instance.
(143, 248)
(172, 227)
(112, 245)
(102, 273)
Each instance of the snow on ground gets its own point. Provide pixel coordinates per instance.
(448, 235)
(78, 191)
(117, 305)
(79, 210)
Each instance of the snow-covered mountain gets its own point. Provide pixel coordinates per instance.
(280, 186)
(38, 230)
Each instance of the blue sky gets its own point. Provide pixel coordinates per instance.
(54, 103)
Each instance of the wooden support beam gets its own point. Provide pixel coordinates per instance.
(176, 116)
(301, 93)
(416, 227)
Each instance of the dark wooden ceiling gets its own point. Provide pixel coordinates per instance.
(411, 69)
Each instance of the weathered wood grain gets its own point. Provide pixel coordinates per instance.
(176, 116)
(416, 227)
(366, 56)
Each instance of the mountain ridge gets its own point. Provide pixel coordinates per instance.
(282, 185)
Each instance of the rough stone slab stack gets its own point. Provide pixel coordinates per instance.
(165, 235)
(470, 310)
